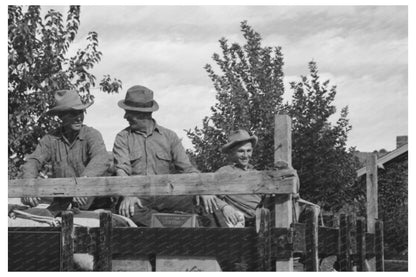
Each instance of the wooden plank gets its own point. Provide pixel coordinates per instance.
(234, 248)
(361, 245)
(263, 238)
(344, 235)
(311, 235)
(34, 249)
(283, 210)
(372, 201)
(283, 139)
(67, 240)
(299, 245)
(328, 241)
(103, 257)
(272, 182)
(370, 245)
(379, 244)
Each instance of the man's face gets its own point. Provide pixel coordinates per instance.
(242, 154)
(137, 120)
(72, 120)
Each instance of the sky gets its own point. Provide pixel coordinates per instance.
(363, 50)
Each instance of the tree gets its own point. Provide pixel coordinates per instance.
(326, 168)
(38, 65)
(393, 206)
(249, 94)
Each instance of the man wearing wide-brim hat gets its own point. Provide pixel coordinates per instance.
(72, 150)
(146, 148)
(238, 210)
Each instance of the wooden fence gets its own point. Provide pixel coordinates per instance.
(271, 246)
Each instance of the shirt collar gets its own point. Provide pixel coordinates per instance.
(237, 165)
(156, 127)
(81, 134)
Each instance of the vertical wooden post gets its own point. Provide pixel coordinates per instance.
(361, 246)
(264, 239)
(344, 248)
(372, 203)
(103, 257)
(67, 241)
(283, 203)
(379, 246)
(311, 238)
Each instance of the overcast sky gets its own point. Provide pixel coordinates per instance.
(363, 50)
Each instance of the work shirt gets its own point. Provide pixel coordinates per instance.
(85, 156)
(246, 203)
(160, 152)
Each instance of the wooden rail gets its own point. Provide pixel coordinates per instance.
(268, 182)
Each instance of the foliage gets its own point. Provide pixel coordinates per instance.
(38, 65)
(393, 205)
(327, 170)
(249, 94)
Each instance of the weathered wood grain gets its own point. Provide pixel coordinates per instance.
(273, 182)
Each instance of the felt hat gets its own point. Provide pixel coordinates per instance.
(237, 137)
(66, 100)
(140, 99)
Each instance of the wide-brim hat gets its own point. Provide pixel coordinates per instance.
(66, 100)
(237, 137)
(139, 99)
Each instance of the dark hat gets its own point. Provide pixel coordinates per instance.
(237, 137)
(140, 99)
(66, 100)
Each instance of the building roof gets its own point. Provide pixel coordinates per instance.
(386, 158)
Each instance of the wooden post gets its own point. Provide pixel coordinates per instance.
(379, 246)
(372, 203)
(311, 238)
(264, 240)
(283, 203)
(67, 240)
(361, 246)
(344, 248)
(103, 256)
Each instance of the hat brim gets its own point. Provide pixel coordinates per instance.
(253, 139)
(59, 109)
(153, 108)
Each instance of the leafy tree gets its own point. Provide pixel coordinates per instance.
(38, 65)
(249, 94)
(326, 168)
(393, 206)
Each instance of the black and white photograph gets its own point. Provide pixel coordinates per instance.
(183, 136)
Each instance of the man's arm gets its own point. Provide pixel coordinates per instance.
(36, 160)
(99, 158)
(32, 166)
(121, 155)
(179, 157)
(123, 168)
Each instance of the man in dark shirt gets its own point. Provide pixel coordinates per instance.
(146, 148)
(72, 150)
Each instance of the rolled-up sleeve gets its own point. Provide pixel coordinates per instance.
(121, 154)
(37, 159)
(99, 158)
(180, 159)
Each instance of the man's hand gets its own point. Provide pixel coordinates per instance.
(209, 202)
(231, 214)
(31, 201)
(127, 206)
(81, 201)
